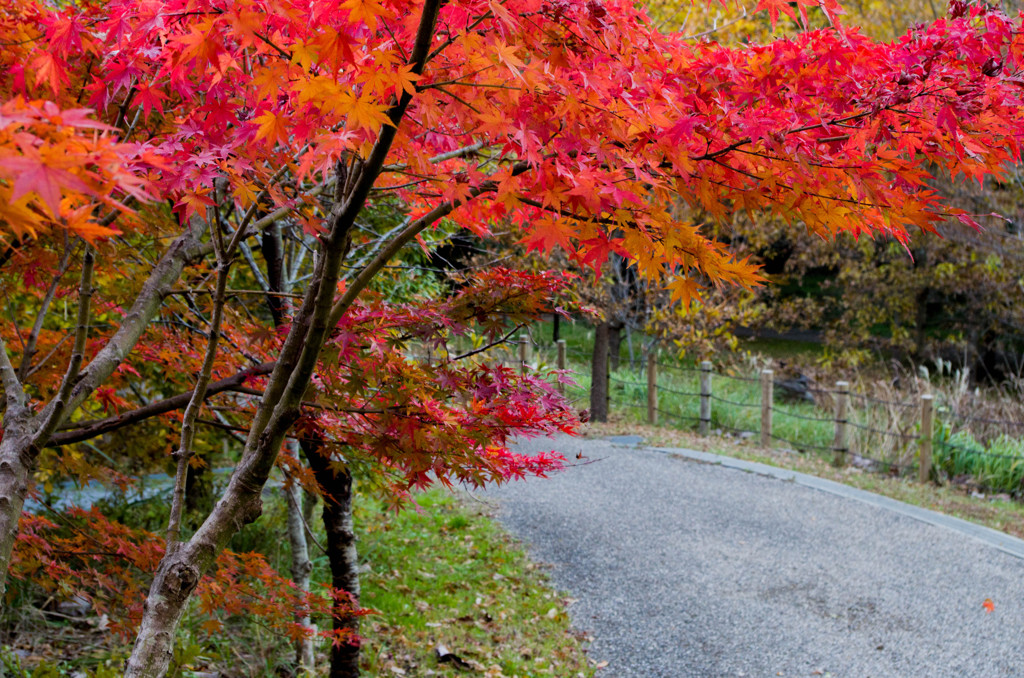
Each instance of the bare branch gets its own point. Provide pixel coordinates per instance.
(257, 273)
(166, 272)
(92, 429)
(44, 307)
(185, 450)
(58, 405)
(46, 358)
(494, 343)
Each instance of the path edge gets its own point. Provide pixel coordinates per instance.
(999, 540)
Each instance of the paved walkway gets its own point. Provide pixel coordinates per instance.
(685, 568)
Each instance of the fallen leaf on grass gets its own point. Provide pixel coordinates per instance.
(444, 655)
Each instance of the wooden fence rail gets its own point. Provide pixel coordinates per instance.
(840, 396)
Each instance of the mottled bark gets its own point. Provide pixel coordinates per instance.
(17, 459)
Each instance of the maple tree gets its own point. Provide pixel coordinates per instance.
(576, 122)
(958, 283)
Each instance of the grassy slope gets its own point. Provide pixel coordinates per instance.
(447, 575)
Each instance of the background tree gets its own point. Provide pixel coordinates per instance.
(959, 281)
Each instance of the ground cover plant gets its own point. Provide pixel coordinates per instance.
(477, 595)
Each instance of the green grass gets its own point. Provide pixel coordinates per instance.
(998, 465)
(882, 435)
(736, 407)
(446, 574)
(440, 572)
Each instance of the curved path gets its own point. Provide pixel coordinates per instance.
(683, 568)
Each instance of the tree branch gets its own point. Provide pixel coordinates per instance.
(14, 394)
(102, 426)
(58, 406)
(44, 307)
(120, 344)
(185, 450)
(166, 272)
(402, 239)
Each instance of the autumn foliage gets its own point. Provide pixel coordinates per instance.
(147, 146)
(83, 553)
(611, 119)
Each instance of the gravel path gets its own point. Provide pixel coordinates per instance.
(684, 569)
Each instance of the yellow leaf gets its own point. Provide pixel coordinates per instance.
(367, 115)
(364, 10)
(272, 127)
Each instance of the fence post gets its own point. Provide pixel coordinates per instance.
(927, 427)
(767, 388)
(652, 385)
(524, 352)
(839, 446)
(561, 362)
(705, 398)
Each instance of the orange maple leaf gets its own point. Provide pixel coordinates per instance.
(988, 605)
(273, 128)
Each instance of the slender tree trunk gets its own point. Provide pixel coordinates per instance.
(341, 552)
(599, 375)
(240, 504)
(16, 463)
(614, 345)
(308, 506)
(198, 492)
(272, 247)
(556, 326)
(302, 566)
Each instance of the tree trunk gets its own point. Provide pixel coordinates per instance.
(341, 552)
(175, 580)
(614, 345)
(302, 567)
(298, 522)
(279, 407)
(556, 326)
(17, 459)
(599, 375)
